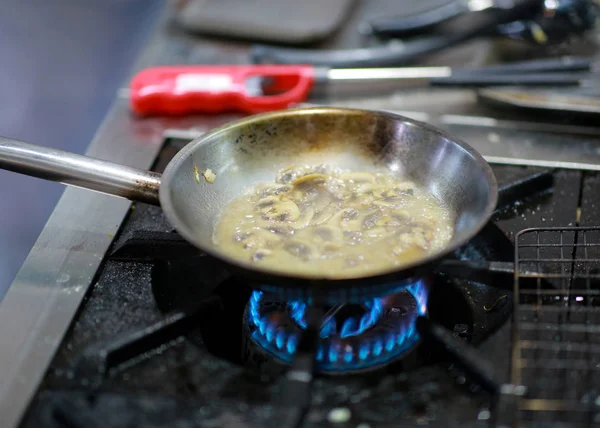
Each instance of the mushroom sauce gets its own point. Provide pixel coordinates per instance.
(330, 223)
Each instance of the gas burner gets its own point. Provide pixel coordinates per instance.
(353, 337)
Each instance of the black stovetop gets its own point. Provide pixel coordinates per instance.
(159, 340)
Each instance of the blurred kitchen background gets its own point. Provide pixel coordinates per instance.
(62, 63)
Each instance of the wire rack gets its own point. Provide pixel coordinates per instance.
(556, 342)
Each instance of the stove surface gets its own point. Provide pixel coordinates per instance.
(115, 370)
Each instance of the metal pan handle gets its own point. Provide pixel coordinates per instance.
(79, 171)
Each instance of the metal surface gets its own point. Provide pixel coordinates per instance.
(388, 73)
(334, 82)
(526, 143)
(251, 150)
(553, 72)
(508, 142)
(481, 123)
(545, 101)
(556, 346)
(79, 171)
(46, 293)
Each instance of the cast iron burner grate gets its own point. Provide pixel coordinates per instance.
(556, 352)
(203, 302)
(352, 337)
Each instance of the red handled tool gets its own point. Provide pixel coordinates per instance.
(179, 90)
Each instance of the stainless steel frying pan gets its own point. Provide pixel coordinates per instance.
(253, 149)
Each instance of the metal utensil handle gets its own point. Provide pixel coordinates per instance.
(80, 171)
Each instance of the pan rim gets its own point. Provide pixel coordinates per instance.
(281, 279)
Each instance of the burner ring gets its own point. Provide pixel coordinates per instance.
(383, 333)
(351, 327)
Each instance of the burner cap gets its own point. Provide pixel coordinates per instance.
(353, 337)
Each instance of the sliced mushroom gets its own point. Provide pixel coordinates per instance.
(324, 215)
(280, 229)
(386, 220)
(299, 249)
(317, 178)
(305, 218)
(332, 219)
(282, 210)
(345, 214)
(390, 195)
(401, 214)
(266, 202)
(371, 220)
(297, 195)
(360, 201)
(329, 233)
(266, 191)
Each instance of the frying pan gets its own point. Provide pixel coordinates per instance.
(253, 149)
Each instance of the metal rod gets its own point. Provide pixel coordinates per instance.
(296, 397)
(96, 360)
(79, 171)
(400, 73)
(467, 357)
(524, 187)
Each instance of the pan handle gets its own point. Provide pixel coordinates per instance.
(80, 171)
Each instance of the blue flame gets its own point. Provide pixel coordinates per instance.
(340, 349)
(351, 326)
(419, 292)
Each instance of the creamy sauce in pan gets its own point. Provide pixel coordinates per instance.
(324, 222)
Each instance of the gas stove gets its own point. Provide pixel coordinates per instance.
(115, 321)
(168, 336)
